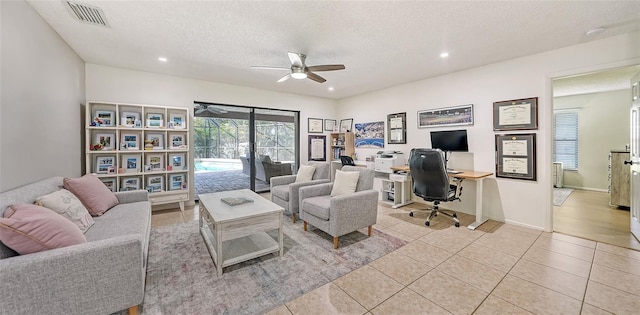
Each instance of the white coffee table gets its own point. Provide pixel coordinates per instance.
(234, 234)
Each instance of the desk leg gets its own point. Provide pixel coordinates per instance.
(479, 219)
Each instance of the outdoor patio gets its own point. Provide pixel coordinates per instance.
(214, 181)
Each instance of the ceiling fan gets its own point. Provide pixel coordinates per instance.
(201, 108)
(301, 71)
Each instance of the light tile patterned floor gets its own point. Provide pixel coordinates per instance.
(497, 269)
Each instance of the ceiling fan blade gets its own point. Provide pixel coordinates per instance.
(200, 111)
(315, 77)
(270, 68)
(296, 59)
(285, 78)
(326, 68)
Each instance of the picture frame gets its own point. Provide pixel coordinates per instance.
(154, 120)
(516, 156)
(520, 114)
(346, 125)
(110, 182)
(130, 141)
(128, 119)
(446, 116)
(155, 162)
(130, 183)
(131, 163)
(177, 161)
(104, 118)
(103, 163)
(329, 124)
(155, 183)
(397, 128)
(317, 148)
(369, 135)
(107, 140)
(315, 125)
(176, 181)
(157, 140)
(177, 141)
(177, 121)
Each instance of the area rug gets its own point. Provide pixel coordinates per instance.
(181, 277)
(560, 195)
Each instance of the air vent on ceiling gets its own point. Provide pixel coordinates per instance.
(88, 14)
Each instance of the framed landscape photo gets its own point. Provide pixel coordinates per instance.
(131, 163)
(447, 116)
(177, 121)
(130, 141)
(105, 118)
(154, 120)
(346, 125)
(103, 163)
(130, 183)
(155, 183)
(176, 181)
(314, 125)
(107, 140)
(397, 128)
(157, 140)
(129, 119)
(177, 161)
(329, 124)
(519, 114)
(177, 141)
(516, 156)
(155, 162)
(110, 182)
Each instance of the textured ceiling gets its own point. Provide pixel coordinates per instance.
(610, 80)
(381, 43)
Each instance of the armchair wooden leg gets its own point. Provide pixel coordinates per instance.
(335, 243)
(370, 228)
(305, 226)
(293, 216)
(133, 310)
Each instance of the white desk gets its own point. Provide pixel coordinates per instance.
(478, 177)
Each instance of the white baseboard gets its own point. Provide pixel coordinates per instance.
(528, 226)
(586, 188)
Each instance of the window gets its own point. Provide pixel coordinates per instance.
(565, 139)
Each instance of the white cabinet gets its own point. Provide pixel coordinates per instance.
(396, 190)
(133, 147)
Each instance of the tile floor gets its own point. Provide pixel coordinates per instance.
(496, 269)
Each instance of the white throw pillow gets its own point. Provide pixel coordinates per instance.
(345, 183)
(69, 206)
(305, 173)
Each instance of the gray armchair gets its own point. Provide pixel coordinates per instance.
(342, 214)
(285, 190)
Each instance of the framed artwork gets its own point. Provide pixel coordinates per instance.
(317, 148)
(397, 128)
(448, 116)
(176, 181)
(177, 141)
(130, 141)
(177, 121)
(329, 124)
(103, 163)
(177, 161)
(346, 125)
(104, 118)
(157, 140)
(155, 183)
(130, 183)
(110, 182)
(106, 140)
(129, 119)
(154, 120)
(314, 125)
(516, 156)
(155, 162)
(370, 135)
(519, 114)
(131, 163)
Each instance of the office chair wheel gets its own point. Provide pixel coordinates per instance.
(457, 224)
(411, 214)
(427, 223)
(455, 215)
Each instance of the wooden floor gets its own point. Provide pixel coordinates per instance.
(587, 214)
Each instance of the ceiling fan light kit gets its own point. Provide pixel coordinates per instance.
(299, 69)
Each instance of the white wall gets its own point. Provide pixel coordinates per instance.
(42, 93)
(603, 124)
(517, 201)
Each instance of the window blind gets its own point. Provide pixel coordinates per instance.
(565, 139)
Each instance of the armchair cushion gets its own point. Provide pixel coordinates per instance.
(305, 173)
(345, 183)
(318, 206)
(281, 191)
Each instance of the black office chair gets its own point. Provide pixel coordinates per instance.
(430, 181)
(347, 160)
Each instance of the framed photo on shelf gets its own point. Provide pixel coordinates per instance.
(155, 162)
(177, 141)
(519, 114)
(447, 116)
(314, 125)
(329, 124)
(154, 120)
(397, 128)
(317, 148)
(131, 163)
(110, 182)
(106, 140)
(346, 125)
(516, 156)
(155, 183)
(130, 183)
(130, 141)
(129, 119)
(104, 118)
(177, 161)
(103, 163)
(157, 140)
(176, 181)
(177, 121)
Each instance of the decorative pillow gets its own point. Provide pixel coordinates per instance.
(30, 229)
(92, 192)
(66, 204)
(345, 183)
(305, 173)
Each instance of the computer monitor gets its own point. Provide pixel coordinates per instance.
(450, 140)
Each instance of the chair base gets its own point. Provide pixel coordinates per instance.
(434, 213)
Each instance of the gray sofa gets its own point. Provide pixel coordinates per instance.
(103, 276)
(265, 168)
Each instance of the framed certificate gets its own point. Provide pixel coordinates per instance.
(519, 114)
(516, 156)
(317, 148)
(397, 128)
(315, 125)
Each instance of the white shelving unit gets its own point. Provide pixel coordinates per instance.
(131, 146)
(396, 190)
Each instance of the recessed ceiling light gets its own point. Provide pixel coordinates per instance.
(331, 88)
(595, 31)
(444, 55)
(163, 59)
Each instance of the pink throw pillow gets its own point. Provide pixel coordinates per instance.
(92, 192)
(30, 229)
